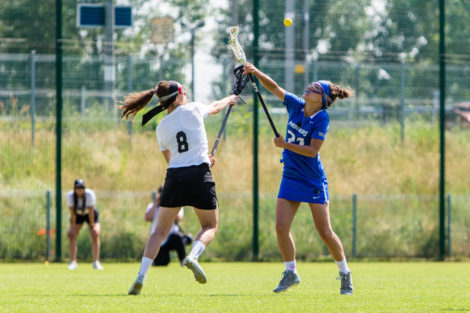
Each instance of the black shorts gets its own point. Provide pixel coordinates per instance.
(189, 186)
(86, 218)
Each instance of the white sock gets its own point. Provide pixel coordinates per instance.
(144, 267)
(343, 266)
(198, 248)
(291, 266)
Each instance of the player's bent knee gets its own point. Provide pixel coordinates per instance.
(326, 233)
(157, 234)
(282, 229)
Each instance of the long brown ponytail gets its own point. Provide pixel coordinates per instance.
(338, 92)
(136, 101)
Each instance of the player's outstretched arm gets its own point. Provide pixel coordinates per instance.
(265, 80)
(217, 106)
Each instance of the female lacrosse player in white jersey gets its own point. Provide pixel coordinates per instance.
(303, 178)
(81, 202)
(183, 142)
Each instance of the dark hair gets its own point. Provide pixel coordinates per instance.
(338, 92)
(78, 183)
(136, 101)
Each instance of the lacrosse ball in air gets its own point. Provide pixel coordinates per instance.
(287, 22)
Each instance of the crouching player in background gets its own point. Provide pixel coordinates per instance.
(176, 240)
(81, 203)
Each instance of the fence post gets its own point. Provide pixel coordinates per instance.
(83, 101)
(48, 224)
(129, 86)
(33, 94)
(129, 130)
(357, 79)
(129, 73)
(315, 67)
(224, 89)
(449, 223)
(160, 72)
(354, 225)
(402, 102)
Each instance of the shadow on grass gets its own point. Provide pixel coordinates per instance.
(101, 295)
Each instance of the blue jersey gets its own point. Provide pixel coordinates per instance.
(300, 130)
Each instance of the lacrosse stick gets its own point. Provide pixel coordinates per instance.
(240, 56)
(238, 85)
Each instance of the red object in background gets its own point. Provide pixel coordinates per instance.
(42, 231)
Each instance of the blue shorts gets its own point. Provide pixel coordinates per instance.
(304, 191)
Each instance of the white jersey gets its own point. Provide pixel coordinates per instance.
(90, 201)
(183, 133)
(174, 228)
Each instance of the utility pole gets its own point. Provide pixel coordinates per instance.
(306, 41)
(58, 79)
(255, 136)
(289, 47)
(109, 75)
(192, 30)
(442, 124)
(234, 12)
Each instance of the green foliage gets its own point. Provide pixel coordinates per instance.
(396, 183)
(124, 246)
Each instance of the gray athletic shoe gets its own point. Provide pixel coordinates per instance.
(346, 283)
(137, 285)
(289, 279)
(194, 266)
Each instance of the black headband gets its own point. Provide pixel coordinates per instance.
(168, 99)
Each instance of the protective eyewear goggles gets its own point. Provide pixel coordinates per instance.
(315, 88)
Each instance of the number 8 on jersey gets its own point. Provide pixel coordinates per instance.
(182, 142)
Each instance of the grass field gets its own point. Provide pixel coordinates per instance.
(235, 287)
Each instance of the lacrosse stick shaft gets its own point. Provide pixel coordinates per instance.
(263, 104)
(224, 122)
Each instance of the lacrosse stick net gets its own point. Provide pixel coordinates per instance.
(235, 45)
(240, 57)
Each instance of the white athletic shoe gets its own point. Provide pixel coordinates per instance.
(137, 285)
(194, 266)
(73, 266)
(97, 266)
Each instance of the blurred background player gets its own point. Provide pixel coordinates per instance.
(303, 177)
(176, 240)
(81, 202)
(182, 138)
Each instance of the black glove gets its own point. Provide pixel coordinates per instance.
(240, 80)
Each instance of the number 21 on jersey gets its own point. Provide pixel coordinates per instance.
(291, 138)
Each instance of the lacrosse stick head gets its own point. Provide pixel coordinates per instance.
(240, 80)
(235, 45)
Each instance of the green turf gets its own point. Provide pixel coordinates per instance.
(235, 287)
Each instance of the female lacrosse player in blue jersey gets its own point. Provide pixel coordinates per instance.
(303, 178)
